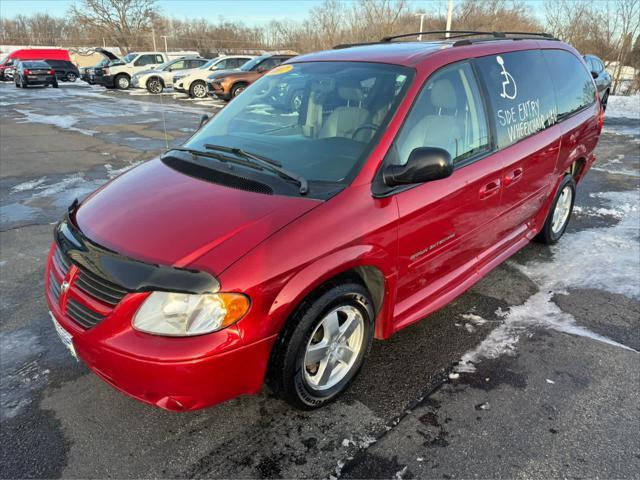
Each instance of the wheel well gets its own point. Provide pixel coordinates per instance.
(577, 169)
(157, 78)
(239, 84)
(368, 276)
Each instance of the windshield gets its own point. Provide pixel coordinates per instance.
(251, 63)
(318, 120)
(126, 59)
(209, 63)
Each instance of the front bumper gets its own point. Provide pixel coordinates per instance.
(172, 373)
(104, 80)
(217, 90)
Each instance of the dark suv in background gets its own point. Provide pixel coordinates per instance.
(600, 76)
(65, 70)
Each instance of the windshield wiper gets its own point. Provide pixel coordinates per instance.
(217, 156)
(264, 162)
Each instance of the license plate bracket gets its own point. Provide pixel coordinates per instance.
(65, 337)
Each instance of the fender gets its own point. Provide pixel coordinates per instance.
(313, 275)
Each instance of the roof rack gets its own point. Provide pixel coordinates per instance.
(453, 34)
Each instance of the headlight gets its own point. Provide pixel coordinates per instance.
(181, 314)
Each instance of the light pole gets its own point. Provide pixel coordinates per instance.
(165, 43)
(421, 15)
(449, 14)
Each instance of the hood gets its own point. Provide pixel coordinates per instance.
(222, 73)
(155, 214)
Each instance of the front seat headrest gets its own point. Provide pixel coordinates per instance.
(443, 95)
(350, 94)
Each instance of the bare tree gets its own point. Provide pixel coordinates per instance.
(123, 22)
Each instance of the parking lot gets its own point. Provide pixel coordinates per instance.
(533, 373)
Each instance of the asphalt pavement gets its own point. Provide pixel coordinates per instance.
(533, 373)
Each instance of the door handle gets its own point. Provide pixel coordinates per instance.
(490, 189)
(513, 177)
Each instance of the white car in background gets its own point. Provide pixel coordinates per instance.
(195, 83)
(157, 79)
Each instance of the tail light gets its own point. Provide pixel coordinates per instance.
(600, 119)
(27, 71)
(52, 72)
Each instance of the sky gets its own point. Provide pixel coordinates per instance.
(251, 12)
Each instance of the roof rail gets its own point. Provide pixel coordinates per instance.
(468, 33)
(453, 34)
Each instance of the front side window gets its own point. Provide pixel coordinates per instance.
(319, 120)
(520, 93)
(573, 84)
(145, 60)
(269, 63)
(447, 114)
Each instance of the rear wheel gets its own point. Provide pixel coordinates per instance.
(122, 81)
(71, 77)
(604, 100)
(15, 81)
(322, 348)
(198, 89)
(560, 213)
(154, 85)
(23, 82)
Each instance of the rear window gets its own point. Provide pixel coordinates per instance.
(35, 65)
(573, 83)
(520, 93)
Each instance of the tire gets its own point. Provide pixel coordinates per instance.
(154, 85)
(23, 83)
(604, 100)
(560, 213)
(16, 82)
(307, 385)
(237, 89)
(71, 77)
(198, 89)
(122, 81)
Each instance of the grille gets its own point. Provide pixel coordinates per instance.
(83, 315)
(54, 288)
(101, 289)
(88, 283)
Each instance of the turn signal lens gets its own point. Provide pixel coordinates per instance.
(181, 314)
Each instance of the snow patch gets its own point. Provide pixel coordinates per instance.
(65, 122)
(30, 185)
(613, 255)
(619, 106)
(114, 172)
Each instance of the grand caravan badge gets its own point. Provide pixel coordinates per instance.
(509, 87)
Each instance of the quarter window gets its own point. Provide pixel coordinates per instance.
(520, 92)
(448, 114)
(146, 60)
(573, 84)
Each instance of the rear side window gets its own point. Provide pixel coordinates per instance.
(448, 114)
(573, 84)
(521, 94)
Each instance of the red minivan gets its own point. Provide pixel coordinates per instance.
(276, 244)
(32, 54)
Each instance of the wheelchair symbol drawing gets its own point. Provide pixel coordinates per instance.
(509, 88)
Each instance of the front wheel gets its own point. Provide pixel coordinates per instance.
(123, 81)
(154, 85)
(560, 213)
(238, 89)
(198, 89)
(323, 346)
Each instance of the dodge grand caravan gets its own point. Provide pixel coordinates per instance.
(274, 245)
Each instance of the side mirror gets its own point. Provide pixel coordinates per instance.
(594, 75)
(425, 164)
(203, 120)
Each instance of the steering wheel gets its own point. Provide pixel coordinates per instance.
(365, 126)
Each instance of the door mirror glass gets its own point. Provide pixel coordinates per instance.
(594, 74)
(425, 164)
(203, 120)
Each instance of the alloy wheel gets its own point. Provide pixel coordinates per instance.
(562, 210)
(199, 90)
(334, 347)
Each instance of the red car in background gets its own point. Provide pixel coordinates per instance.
(276, 244)
(32, 54)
